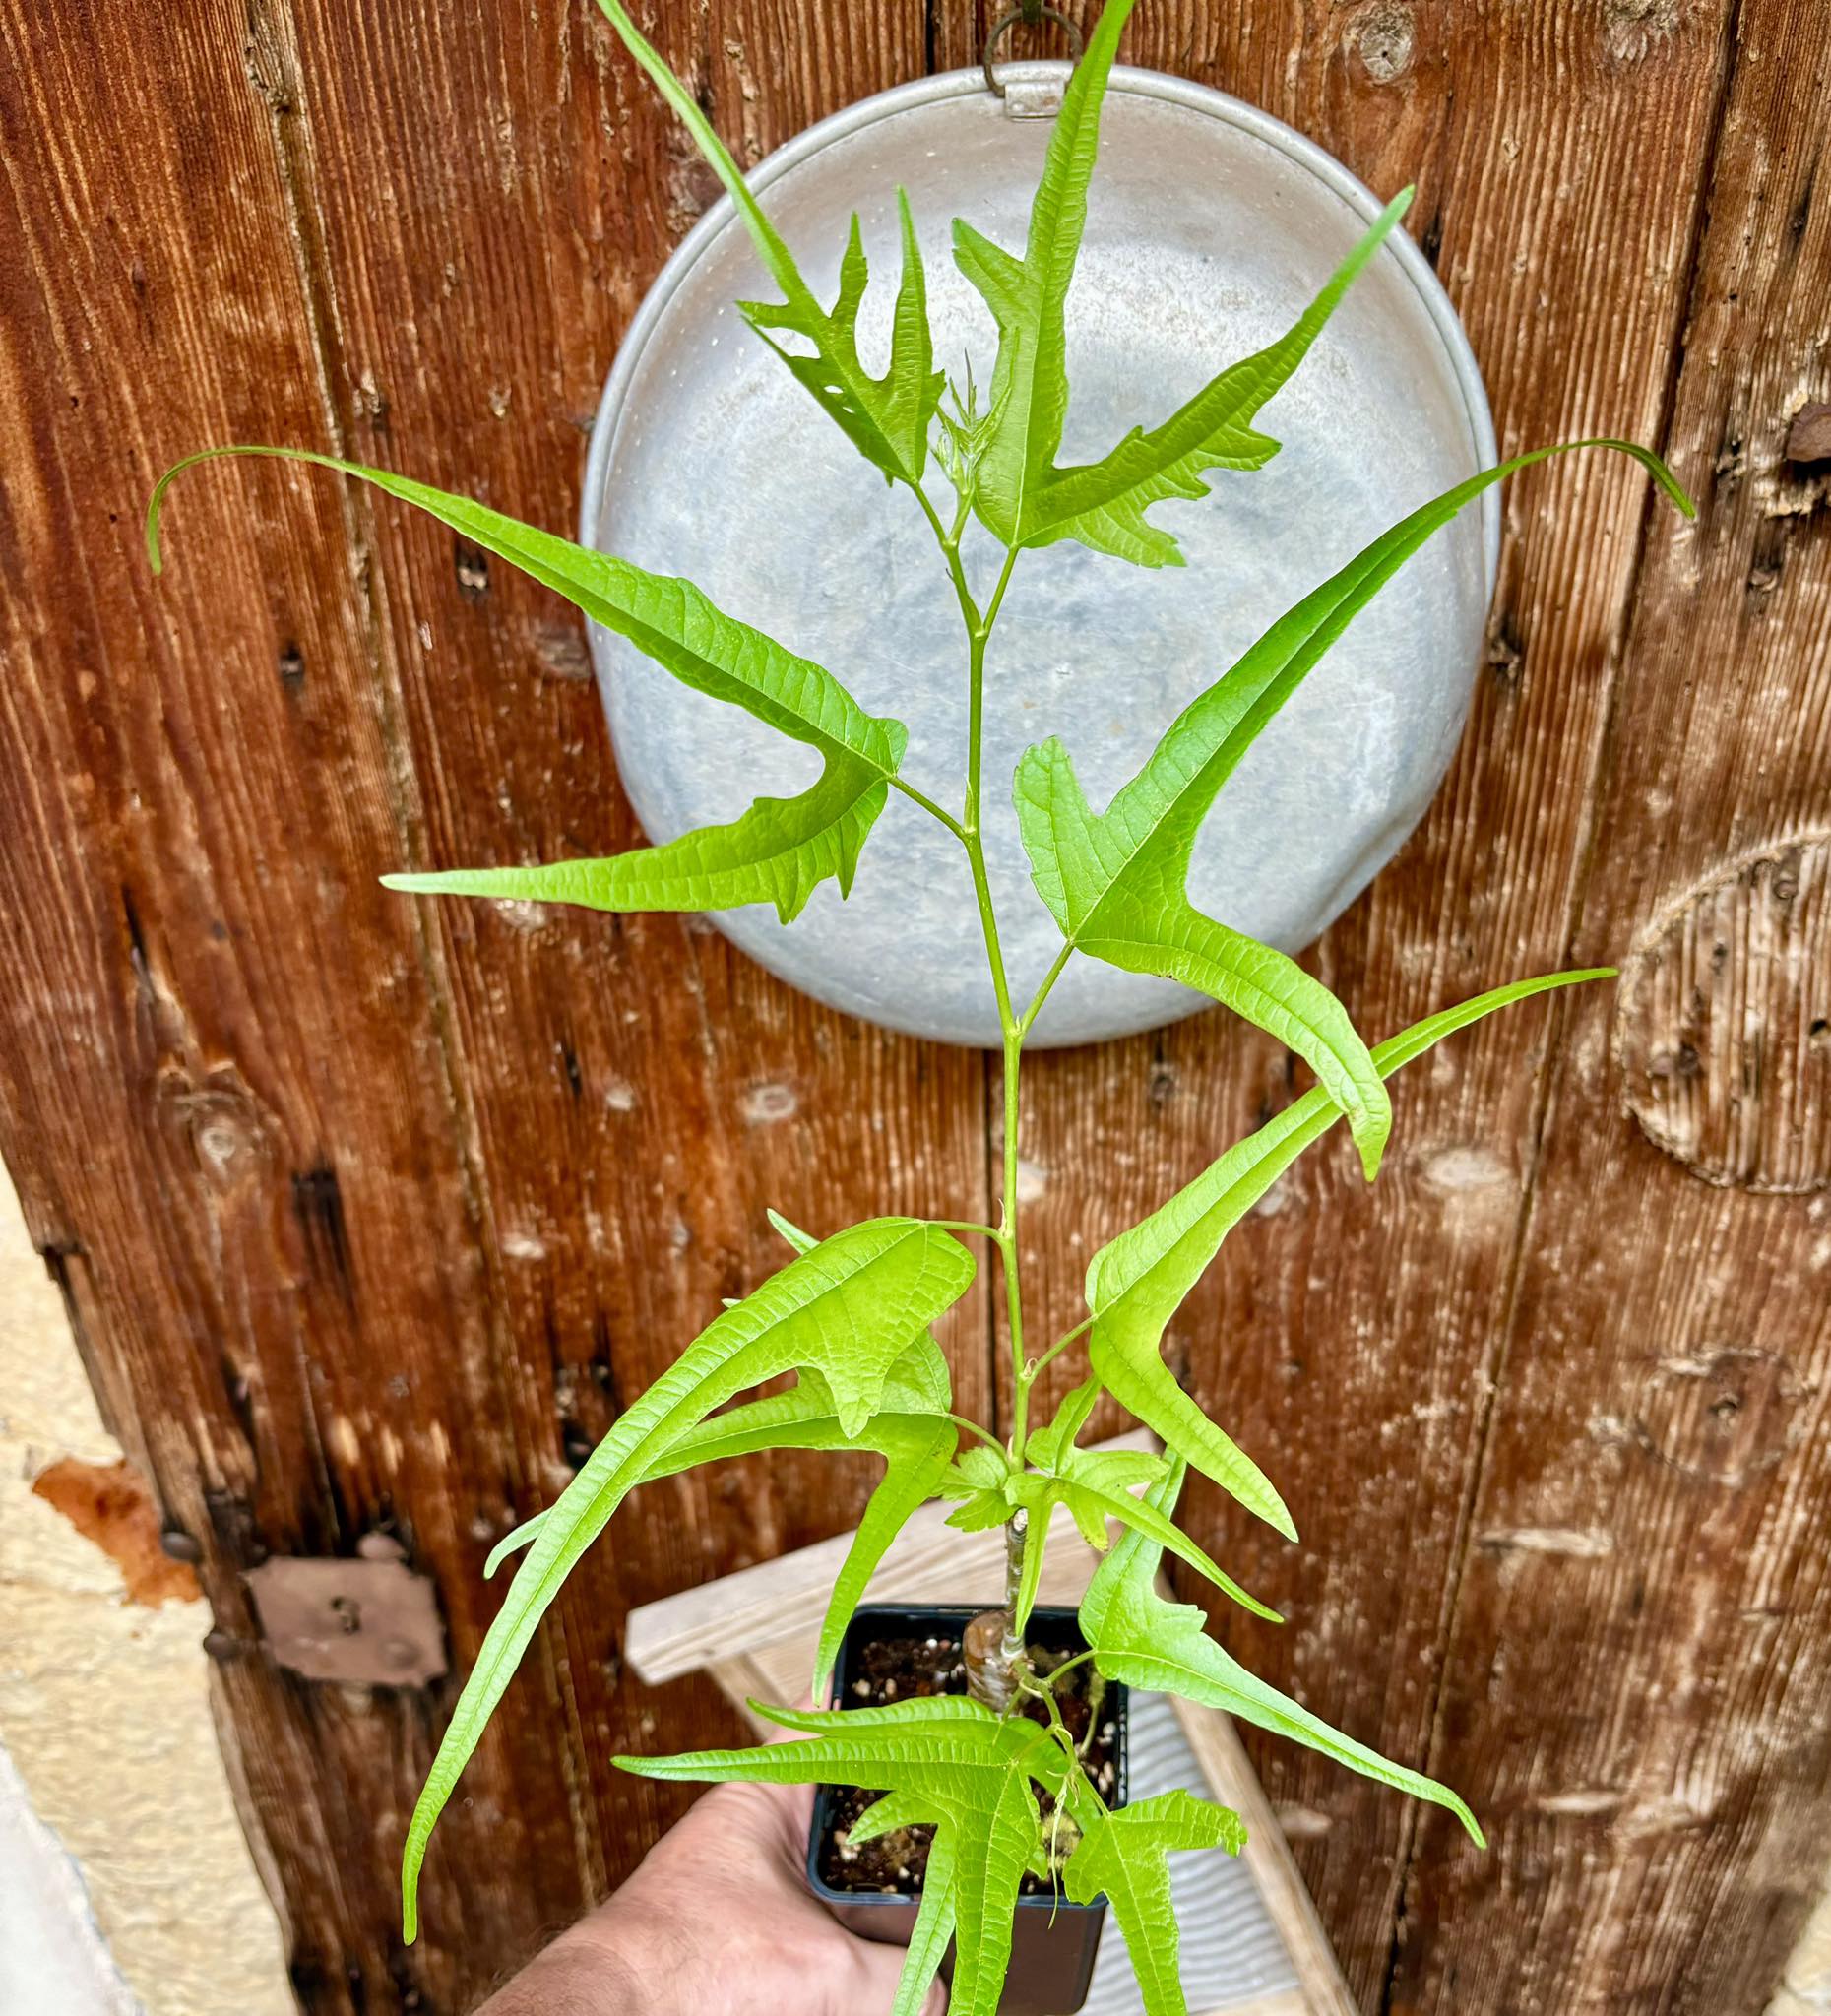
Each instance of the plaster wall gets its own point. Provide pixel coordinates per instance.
(115, 1802)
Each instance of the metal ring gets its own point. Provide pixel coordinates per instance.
(1029, 13)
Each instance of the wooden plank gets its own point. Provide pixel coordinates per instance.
(222, 1095)
(1231, 1777)
(372, 1213)
(1634, 1695)
(1345, 1338)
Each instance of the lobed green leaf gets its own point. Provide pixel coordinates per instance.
(1028, 298)
(888, 419)
(1125, 1855)
(1102, 504)
(911, 1429)
(1146, 1641)
(1136, 1283)
(1020, 492)
(848, 1311)
(1117, 881)
(782, 849)
(944, 1760)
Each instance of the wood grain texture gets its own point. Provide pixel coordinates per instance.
(372, 1214)
(1642, 1717)
(1350, 1338)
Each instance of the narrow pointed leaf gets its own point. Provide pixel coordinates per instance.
(1142, 1639)
(1089, 1513)
(1137, 1283)
(885, 1816)
(512, 1543)
(950, 1763)
(917, 1447)
(910, 1429)
(1047, 1448)
(1116, 1502)
(1028, 297)
(1103, 504)
(782, 849)
(850, 1310)
(1124, 1855)
(933, 1929)
(885, 418)
(1117, 881)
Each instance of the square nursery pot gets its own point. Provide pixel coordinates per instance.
(1053, 1941)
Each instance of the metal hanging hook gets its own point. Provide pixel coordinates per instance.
(1029, 13)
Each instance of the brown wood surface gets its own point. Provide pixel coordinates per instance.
(370, 1214)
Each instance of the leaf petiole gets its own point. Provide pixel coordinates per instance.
(1060, 1345)
(985, 1434)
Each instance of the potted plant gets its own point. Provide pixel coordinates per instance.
(990, 1744)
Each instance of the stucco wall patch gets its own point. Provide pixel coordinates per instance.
(103, 1702)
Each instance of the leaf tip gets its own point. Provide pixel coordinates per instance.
(783, 1718)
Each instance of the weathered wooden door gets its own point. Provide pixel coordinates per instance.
(369, 1213)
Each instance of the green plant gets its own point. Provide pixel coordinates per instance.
(850, 1313)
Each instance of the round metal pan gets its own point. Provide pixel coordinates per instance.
(1210, 225)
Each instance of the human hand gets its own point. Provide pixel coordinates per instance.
(717, 1921)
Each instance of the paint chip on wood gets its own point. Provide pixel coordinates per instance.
(1572, 1542)
(111, 1504)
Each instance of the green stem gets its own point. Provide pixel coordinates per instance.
(1030, 1014)
(1061, 1343)
(1012, 1027)
(929, 806)
(990, 1440)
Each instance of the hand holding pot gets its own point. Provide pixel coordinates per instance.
(717, 1921)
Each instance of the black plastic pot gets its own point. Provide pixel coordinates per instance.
(1053, 1941)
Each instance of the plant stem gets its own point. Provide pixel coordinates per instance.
(1061, 1343)
(929, 806)
(1010, 1660)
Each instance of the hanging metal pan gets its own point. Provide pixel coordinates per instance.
(1210, 225)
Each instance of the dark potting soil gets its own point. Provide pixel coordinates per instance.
(899, 1670)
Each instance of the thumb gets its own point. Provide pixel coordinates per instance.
(879, 1970)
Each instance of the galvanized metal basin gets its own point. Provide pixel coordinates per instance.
(1210, 225)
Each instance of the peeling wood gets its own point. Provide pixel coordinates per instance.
(1722, 1022)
